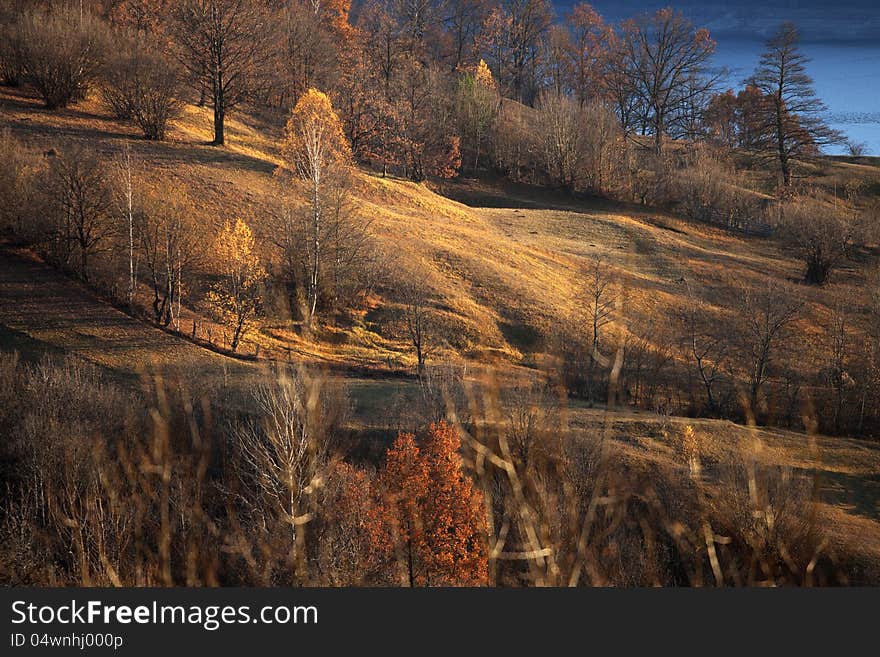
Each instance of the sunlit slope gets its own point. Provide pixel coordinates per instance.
(499, 279)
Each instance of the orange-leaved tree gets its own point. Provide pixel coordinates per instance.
(432, 518)
(454, 514)
(396, 527)
(316, 151)
(341, 526)
(335, 14)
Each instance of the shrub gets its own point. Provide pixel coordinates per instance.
(140, 85)
(12, 70)
(576, 144)
(821, 234)
(62, 53)
(508, 143)
(707, 188)
(19, 168)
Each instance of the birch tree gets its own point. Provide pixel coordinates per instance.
(478, 105)
(317, 154)
(285, 451)
(170, 247)
(125, 200)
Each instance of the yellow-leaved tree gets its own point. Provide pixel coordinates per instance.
(236, 297)
(478, 105)
(316, 151)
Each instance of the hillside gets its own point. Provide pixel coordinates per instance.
(502, 264)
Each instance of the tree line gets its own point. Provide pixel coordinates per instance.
(406, 77)
(437, 89)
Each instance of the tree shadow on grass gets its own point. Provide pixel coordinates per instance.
(499, 193)
(858, 494)
(107, 136)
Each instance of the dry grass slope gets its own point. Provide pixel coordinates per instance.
(499, 277)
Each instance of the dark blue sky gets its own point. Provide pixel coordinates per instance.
(833, 21)
(841, 36)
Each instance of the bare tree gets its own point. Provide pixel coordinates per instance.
(350, 258)
(767, 311)
(791, 117)
(649, 353)
(587, 53)
(601, 298)
(665, 61)
(308, 56)
(170, 248)
(224, 47)
(822, 234)
(141, 85)
(417, 319)
(354, 257)
(509, 142)
(856, 148)
(560, 139)
(706, 349)
(62, 52)
(125, 194)
(837, 368)
(82, 200)
(512, 35)
(463, 20)
(285, 449)
(578, 145)
(868, 370)
(617, 76)
(604, 148)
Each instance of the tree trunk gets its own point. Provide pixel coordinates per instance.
(817, 273)
(130, 254)
(316, 249)
(755, 391)
(658, 133)
(477, 155)
(784, 167)
(409, 555)
(219, 117)
(83, 263)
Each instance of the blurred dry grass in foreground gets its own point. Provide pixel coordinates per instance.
(162, 485)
